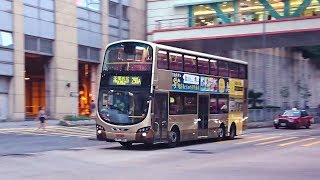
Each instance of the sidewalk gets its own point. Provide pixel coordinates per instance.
(22, 124)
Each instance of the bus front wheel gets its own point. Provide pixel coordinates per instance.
(174, 138)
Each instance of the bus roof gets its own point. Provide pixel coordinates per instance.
(184, 51)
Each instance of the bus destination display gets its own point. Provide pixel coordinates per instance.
(125, 80)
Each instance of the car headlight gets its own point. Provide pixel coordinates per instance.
(276, 121)
(290, 120)
(144, 129)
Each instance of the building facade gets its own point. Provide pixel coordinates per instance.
(51, 52)
(263, 32)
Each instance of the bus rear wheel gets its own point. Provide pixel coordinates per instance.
(126, 144)
(232, 132)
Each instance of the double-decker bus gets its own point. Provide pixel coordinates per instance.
(151, 93)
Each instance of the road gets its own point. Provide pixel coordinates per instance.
(72, 153)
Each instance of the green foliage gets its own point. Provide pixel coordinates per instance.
(75, 118)
(312, 53)
(254, 99)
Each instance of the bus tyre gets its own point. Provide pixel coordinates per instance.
(221, 133)
(126, 144)
(232, 132)
(174, 138)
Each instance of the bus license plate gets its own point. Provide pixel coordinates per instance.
(283, 124)
(120, 140)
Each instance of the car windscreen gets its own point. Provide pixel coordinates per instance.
(292, 113)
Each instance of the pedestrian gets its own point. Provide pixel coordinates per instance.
(92, 107)
(42, 117)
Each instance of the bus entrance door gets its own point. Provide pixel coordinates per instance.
(203, 115)
(160, 122)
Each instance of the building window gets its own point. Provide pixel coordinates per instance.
(31, 2)
(42, 4)
(89, 4)
(82, 52)
(31, 43)
(94, 54)
(6, 40)
(88, 53)
(6, 5)
(113, 39)
(125, 12)
(46, 46)
(38, 45)
(34, 12)
(113, 7)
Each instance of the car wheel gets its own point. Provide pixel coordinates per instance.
(221, 133)
(126, 144)
(174, 138)
(308, 125)
(276, 126)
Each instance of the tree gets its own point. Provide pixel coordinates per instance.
(312, 53)
(254, 99)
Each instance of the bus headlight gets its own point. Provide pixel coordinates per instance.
(143, 130)
(99, 127)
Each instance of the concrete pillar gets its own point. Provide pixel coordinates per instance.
(105, 40)
(17, 84)
(64, 65)
(137, 24)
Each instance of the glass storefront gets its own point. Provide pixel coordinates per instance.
(251, 10)
(85, 88)
(35, 85)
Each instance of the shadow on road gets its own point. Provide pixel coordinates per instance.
(154, 147)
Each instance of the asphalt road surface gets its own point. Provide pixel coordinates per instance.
(72, 153)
